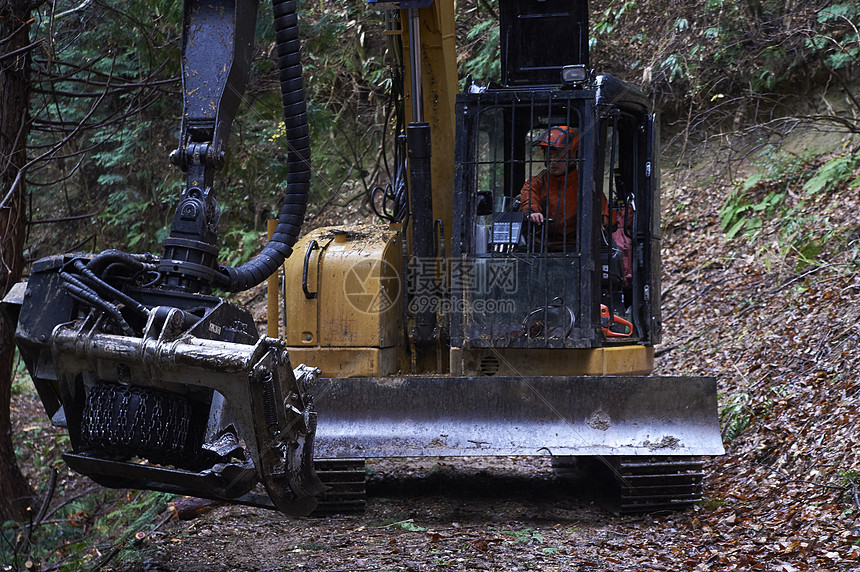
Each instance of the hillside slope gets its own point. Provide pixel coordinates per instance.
(773, 313)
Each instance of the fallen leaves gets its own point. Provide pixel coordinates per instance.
(786, 354)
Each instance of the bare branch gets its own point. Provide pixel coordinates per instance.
(63, 219)
(48, 153)
(19, 51)
(80, 7)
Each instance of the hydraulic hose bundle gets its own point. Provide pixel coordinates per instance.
(295, 200)
(189, 264)
(88, 283)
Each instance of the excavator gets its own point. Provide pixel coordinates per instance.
(455, 326)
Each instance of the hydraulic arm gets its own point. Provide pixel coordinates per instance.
(160, 384)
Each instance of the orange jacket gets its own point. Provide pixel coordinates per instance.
(561, 207)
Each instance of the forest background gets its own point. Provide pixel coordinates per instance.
(91, 106)
(105, 102)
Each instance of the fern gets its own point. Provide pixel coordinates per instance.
(832, 173)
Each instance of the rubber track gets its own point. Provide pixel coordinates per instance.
(651, 484)
(347, 480)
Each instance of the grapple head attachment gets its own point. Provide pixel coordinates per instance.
(191, 401)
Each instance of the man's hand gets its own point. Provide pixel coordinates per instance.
(536, 218)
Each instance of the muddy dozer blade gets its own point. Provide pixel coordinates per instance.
(500, 416)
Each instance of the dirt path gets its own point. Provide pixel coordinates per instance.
(501, 514)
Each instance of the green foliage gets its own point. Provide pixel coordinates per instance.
(99, 109)
(108, 108)
(840, 50)
(131, 517)
(740, 410)
(736, 416)
(248, 245)
(610, 17)
(408, 524)
(760, 195)
(848, 479)
(411, 526)
(41, 448)
(346, 81)
(21, 381)
(834, 172)
(799, 222)
(113, 69)
(83, 531)
(525, 536)
(485, 64)
(739, 217)
(696, 57)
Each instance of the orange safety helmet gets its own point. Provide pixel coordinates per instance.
(559, 137)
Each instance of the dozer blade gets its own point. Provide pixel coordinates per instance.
(502, 416)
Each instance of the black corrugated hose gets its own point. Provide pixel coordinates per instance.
(295, 202)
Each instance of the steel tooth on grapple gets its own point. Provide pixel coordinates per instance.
(285, 436)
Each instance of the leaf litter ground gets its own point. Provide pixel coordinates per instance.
(779, 330)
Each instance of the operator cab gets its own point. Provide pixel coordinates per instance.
(582, 282)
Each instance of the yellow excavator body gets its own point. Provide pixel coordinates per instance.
(455, 329)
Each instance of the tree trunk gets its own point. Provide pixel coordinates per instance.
(15, 492)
